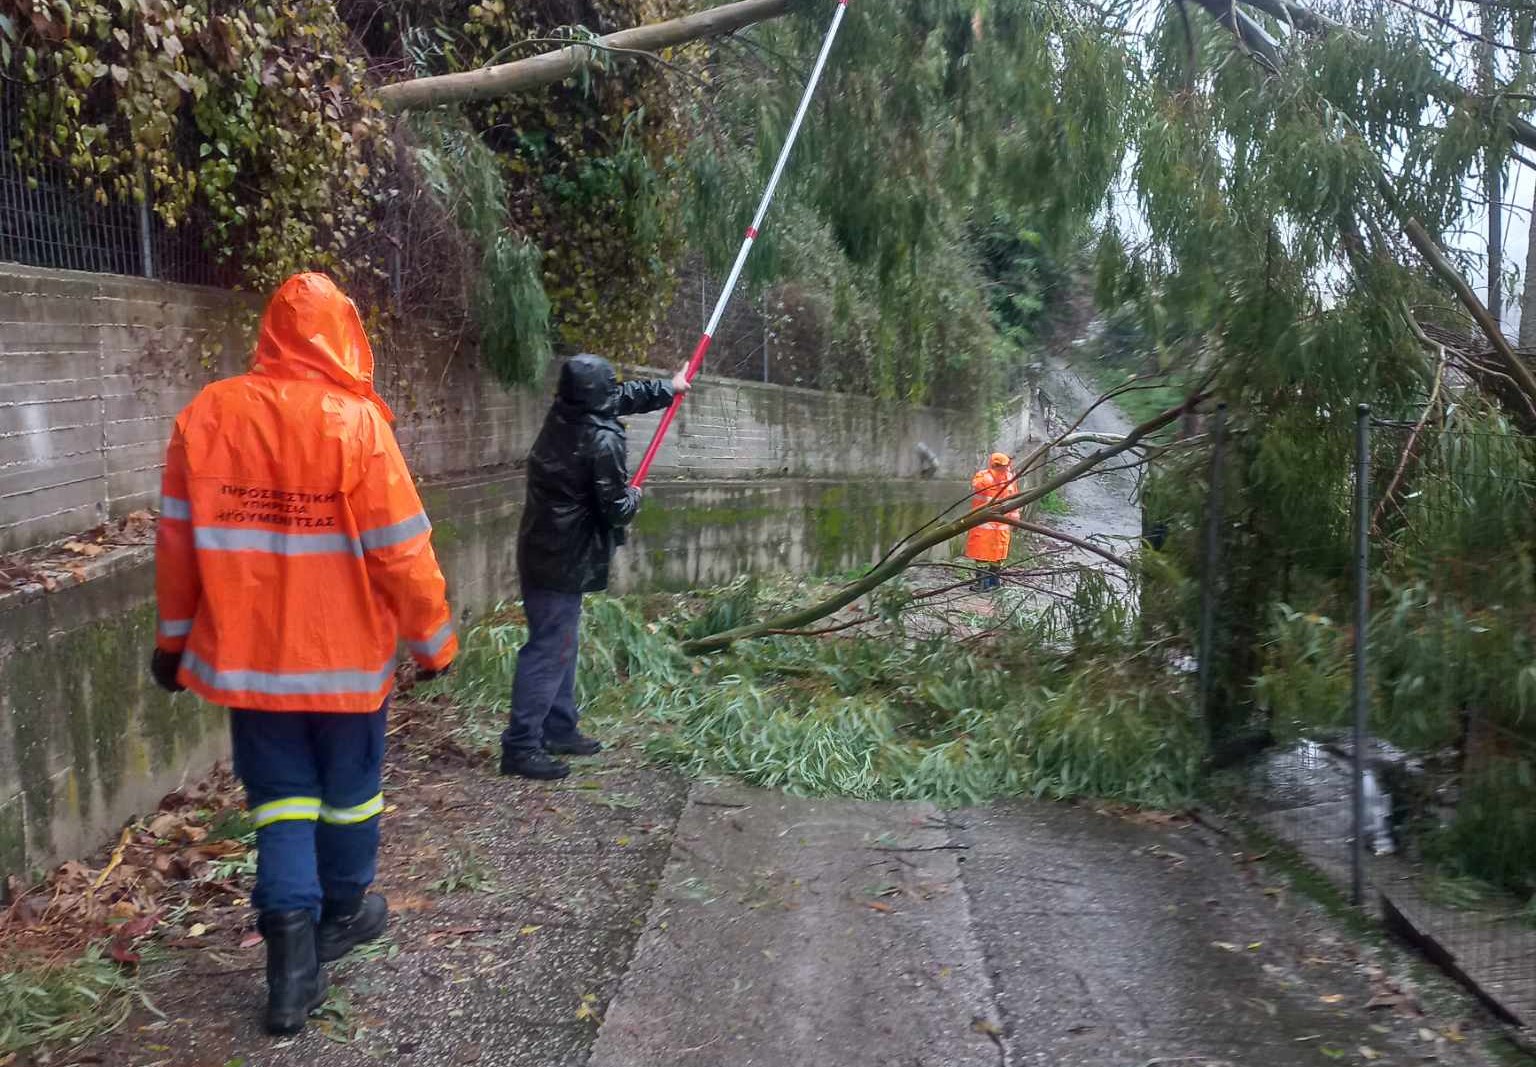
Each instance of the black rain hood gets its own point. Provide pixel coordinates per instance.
(589, 384)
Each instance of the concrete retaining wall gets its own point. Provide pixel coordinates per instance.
(86, 740)
(93, 368)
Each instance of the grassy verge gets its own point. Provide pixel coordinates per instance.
(867, 717)
(1054, 503)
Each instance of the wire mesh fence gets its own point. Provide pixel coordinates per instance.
(746, 344)
(49, 220)
(1403, 763)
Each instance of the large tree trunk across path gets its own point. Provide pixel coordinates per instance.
(552, 67)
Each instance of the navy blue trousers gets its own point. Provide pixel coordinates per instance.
(544, 687)
(312, 783)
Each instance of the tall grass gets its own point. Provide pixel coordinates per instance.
(872, 717)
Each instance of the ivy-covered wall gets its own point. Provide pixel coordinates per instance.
(253, 128)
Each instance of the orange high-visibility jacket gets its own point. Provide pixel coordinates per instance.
(988, 542)
(293, 552)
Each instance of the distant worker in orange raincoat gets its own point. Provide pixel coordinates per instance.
(293, 555)
(987, 543)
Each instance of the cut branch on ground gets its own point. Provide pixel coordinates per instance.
(1075, 542)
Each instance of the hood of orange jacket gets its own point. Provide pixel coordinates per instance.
(312, 330)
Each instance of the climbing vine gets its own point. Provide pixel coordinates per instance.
(250, 121)
(588, 166)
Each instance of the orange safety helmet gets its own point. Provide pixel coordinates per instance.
(1000, 459)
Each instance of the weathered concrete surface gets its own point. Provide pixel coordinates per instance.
(85, 737)
(1112, 943)
(791, 931)
(1103, 507)
(1106, 943)
(690, 534)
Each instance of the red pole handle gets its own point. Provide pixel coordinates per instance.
(690, 372)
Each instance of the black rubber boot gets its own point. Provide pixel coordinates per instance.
(344, 927)
(536, 764)
(576, 745)
(295, 983)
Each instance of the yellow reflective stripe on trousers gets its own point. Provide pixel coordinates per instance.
(288, 809)
(368, 809)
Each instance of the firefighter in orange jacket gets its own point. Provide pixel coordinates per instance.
(293, 554)
(987, 543)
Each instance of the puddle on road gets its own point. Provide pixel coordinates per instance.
(1314, 778)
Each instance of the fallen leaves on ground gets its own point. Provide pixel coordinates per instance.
(46, 565)
(1158, 820)
(173, 869)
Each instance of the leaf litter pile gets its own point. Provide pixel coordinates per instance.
(73, 944)
(62, 563)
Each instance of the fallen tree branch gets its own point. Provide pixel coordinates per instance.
(1513, 364)
(553, 67)
(1075, 542)
(1389, 497)
(898, 562)
(597, 44)
(1042, 452)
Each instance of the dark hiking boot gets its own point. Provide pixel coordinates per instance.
(343, 928)
(295, 984)
(535, 764)
(575, 745)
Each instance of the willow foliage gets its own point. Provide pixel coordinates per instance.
(1263, 247)
(934, 119)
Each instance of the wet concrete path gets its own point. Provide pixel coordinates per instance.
(1102, 508)
(790, 931)
(624, 919)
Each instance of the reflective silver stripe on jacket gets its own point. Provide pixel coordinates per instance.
(297, 683)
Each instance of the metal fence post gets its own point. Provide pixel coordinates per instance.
(1209, 572)
(1362, 697)
(146, 226)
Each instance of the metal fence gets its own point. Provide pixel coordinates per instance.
(47, 219)
(746, 344)
(1410, 777)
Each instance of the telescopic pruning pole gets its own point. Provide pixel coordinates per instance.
(702, 347)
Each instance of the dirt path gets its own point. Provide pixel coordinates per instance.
(516, 909)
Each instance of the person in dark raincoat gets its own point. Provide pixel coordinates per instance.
(579, 503)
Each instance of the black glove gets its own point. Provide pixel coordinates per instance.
(164, 665)
(424, 674)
